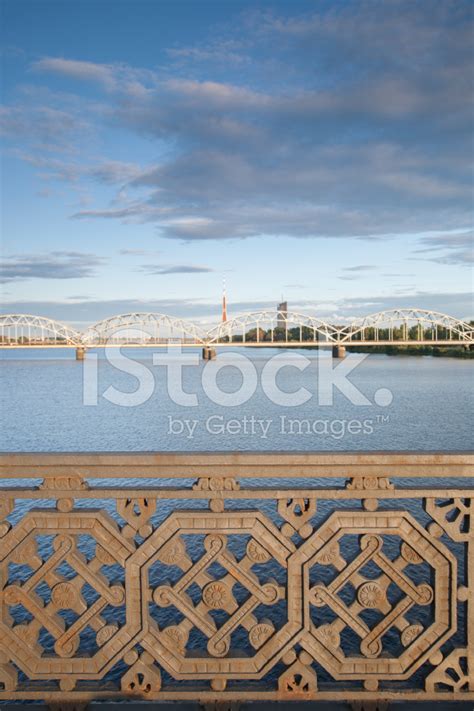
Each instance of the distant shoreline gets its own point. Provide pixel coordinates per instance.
(434, 351)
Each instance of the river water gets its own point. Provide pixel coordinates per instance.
(50, 402)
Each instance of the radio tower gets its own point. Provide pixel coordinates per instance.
(224, 303)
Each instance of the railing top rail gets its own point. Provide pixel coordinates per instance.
(285, 465)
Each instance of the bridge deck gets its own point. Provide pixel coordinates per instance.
(240, 344)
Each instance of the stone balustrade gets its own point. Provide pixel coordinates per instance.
(238, 576)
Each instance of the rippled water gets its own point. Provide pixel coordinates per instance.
(42, 407)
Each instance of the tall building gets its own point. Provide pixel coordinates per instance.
(224, 305)
(282, 310)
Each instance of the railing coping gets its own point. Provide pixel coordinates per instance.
(237, 464)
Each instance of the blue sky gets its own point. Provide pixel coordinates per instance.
(316, 150)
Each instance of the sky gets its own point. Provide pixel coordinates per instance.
(317, 151)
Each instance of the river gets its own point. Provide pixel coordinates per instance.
(51, 402)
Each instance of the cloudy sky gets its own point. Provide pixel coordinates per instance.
(317, 150)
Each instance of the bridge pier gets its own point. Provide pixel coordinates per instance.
(338, 351)
(80, 353)
(209, 353)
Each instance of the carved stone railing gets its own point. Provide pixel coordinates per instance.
(185, 577)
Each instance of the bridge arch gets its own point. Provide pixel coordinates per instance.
(143, 328)
(26, 329)
(272, 327)
(257, 327)
(398, 322)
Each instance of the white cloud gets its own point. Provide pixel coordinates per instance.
(52, 265)
(85, 71)
(367, 141)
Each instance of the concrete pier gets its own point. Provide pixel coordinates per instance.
(338, 351)
(209, 353)
(80, 353)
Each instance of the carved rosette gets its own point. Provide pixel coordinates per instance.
(216, 483)
(63, 486)
(364, 483)
(217, 486)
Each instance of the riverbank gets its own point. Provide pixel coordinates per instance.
(435, 351)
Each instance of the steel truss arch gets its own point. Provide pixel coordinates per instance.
(25, 328)
(257, 327)
(103, 331)
(422, 318)
(271, 320)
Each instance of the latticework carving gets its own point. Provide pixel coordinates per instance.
(243, 592)
(264, 544)
(352, 591)
(216, 483)
(453, 515)
(299, 681)
(297, 512)
(143, 678)
(369, 482)
(453, 673)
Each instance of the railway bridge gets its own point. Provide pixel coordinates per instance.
(267, 329)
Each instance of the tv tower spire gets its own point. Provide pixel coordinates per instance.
(224, 303)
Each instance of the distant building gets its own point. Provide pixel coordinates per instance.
(282, 310)
(224, 305)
